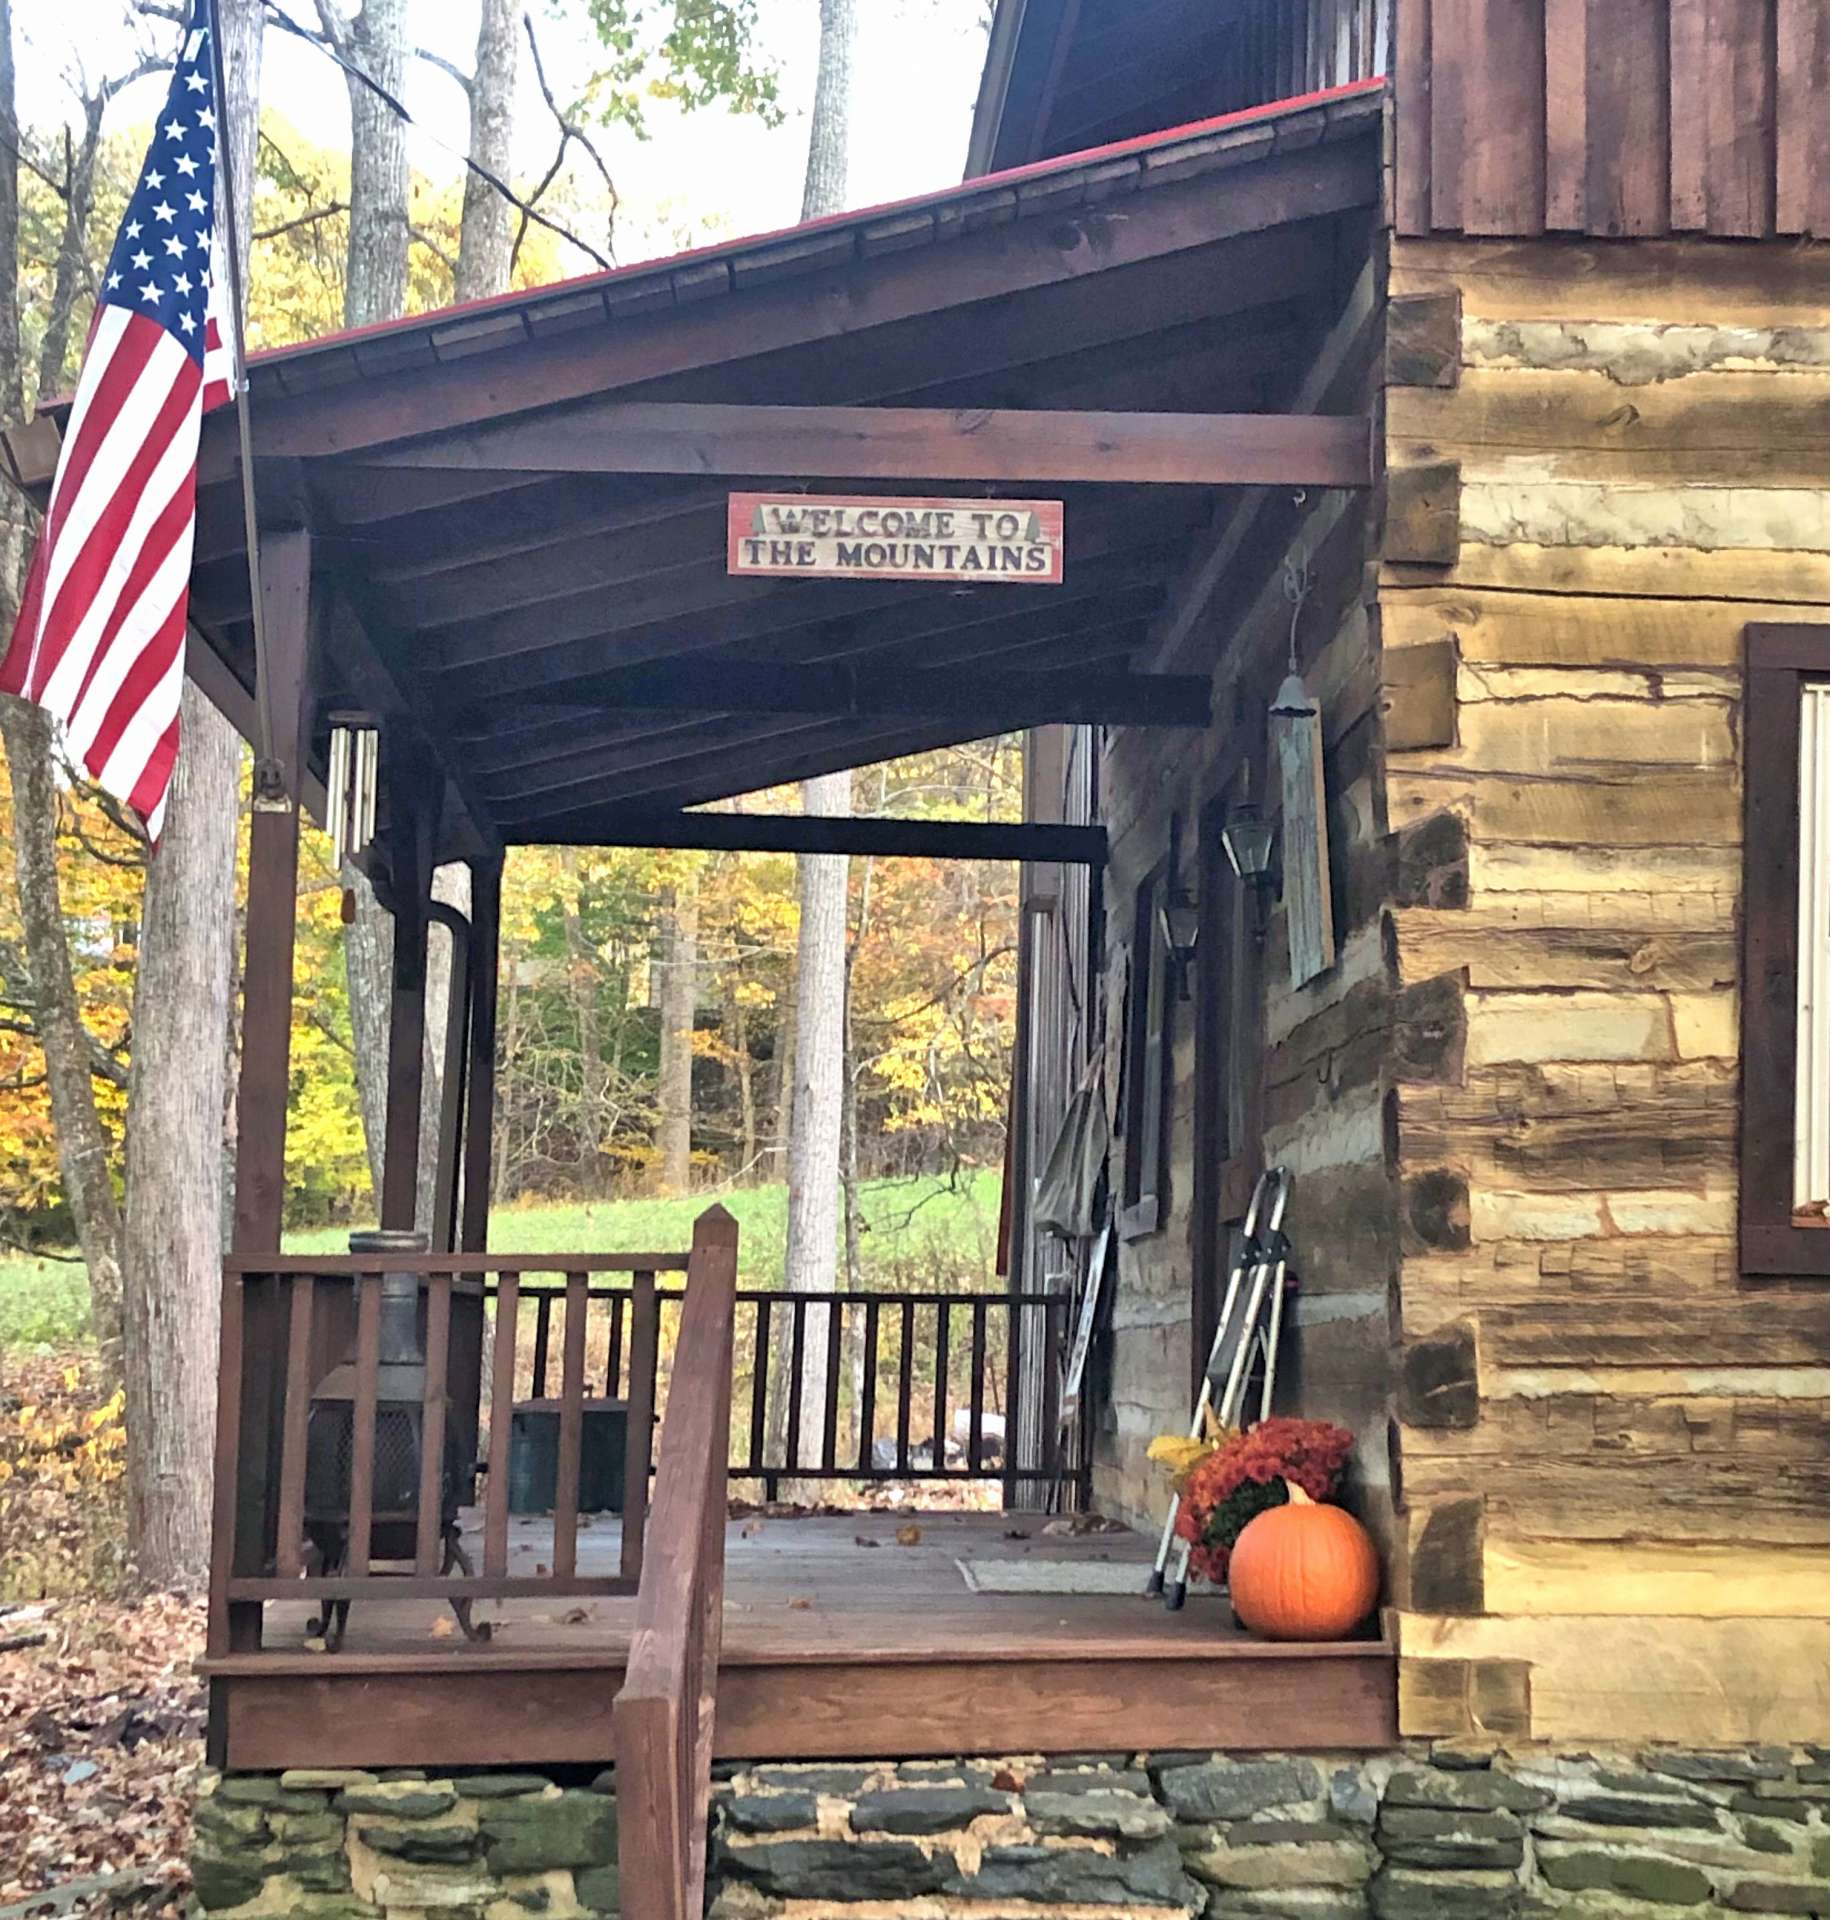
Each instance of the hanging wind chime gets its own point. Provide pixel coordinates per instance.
(350, 788)
(1296, 740)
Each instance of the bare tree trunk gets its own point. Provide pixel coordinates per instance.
(593, 1080)
(819, 1079)
(172, 1230)
(819, 1066)
(679, 1008)
(487, 234)
(737, 1031)
(172, 1245)
(374, 288)
(70, 1053)
(781, 1080)
(830, 135)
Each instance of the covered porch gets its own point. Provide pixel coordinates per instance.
(499, 539)
(846, 1635)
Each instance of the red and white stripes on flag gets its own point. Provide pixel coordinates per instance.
(99, 642)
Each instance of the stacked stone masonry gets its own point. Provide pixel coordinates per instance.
(1457, 1833)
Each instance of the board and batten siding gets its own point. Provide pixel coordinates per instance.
(1615, 1453)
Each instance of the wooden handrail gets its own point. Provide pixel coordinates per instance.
(335, 1265)
(662, 1719)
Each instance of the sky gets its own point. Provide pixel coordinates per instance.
(704, 175)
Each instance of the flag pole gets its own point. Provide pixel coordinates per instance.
(273, 781)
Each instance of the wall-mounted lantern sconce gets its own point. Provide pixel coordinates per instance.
(1250, 841)
(1180, 913)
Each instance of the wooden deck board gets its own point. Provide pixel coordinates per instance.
(832, 1648)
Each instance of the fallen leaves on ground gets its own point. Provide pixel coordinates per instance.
(101, 1711)
(908, 1536)
(101, 1735)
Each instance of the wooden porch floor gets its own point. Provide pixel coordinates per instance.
(838, 1642)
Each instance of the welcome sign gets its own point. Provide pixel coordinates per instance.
(837, 537)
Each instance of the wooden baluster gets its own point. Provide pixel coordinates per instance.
(543, 1327)
(428, 1554)
(362, 1435)
(835, 1342)
(501, 1426)
(867, 1398)
(571, 1431)
(975, 1439)
(759, 1389)
(1051, 1388)
(296, 1416)
(905, 1385)
(228, 1623)
(1013, 1387)
(613, 1370)
(797, 1364)
(638, 1453)
(943, 1326)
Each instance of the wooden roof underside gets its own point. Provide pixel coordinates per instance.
(509, 618)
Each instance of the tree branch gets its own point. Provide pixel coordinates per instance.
(569, 130)
(432, 246)
(446, 67)
(303, 220)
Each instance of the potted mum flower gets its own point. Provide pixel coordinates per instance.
(1227, 1483)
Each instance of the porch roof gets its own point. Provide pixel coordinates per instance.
(555, 634)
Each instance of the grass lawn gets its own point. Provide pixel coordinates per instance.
(927, 1233)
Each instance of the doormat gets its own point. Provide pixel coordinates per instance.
(1054, 1576)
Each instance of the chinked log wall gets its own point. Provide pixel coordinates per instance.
(1613, 1450)
(1313, 1062)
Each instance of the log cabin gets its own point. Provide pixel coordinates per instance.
(1441, 383)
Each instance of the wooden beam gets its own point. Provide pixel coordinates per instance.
(1035, 446)
(867, 692)
(812, 833)
(978, 267)
(580, 636)
(505, 731)
(556, 778)
(1337, 363)
(273, 860)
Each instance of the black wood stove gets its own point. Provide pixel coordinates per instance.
(400, 1389)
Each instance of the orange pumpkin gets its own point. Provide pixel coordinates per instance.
(1303, 1571)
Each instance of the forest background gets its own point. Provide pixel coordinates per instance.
(671, 1023)
(592, 942)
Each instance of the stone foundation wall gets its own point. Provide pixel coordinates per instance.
(1457, 1833)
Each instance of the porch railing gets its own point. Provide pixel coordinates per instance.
(661, 1721)
(835, 1387)
(289, 1320)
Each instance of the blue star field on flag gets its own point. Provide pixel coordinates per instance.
(161, 262)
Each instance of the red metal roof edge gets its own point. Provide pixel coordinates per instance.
(1032, 170)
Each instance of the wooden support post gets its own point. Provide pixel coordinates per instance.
(254, 1358)
(479, 1112)
(412, 814)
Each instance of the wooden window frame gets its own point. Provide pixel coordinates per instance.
(1779, 661)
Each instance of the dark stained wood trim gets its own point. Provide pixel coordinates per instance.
(877, 291)
(808, 833)
(478, 1711)
(1333, 373)
(840, 690)
(1779, 659)
(273, 860)
(1411, 69)
(1036, 445)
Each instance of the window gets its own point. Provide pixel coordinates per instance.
(1785, 964)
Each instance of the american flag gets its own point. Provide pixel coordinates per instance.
(99, 642)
